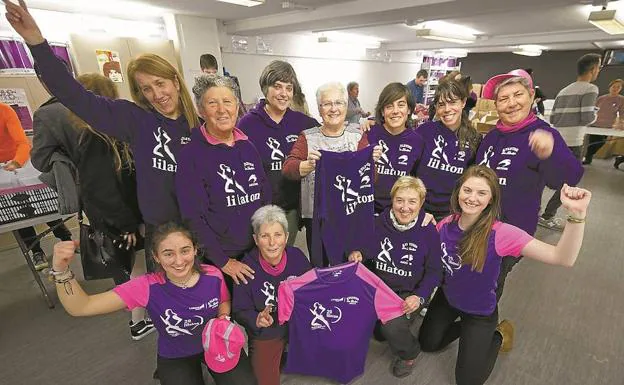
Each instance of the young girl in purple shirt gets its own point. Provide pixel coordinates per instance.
(181, 297)
(473, 243)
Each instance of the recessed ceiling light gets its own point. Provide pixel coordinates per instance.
(246, 3)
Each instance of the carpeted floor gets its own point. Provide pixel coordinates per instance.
(568, 321)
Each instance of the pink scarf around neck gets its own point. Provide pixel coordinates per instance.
(517, 126)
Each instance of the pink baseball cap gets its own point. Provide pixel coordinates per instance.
(223, 341)
(490, 86)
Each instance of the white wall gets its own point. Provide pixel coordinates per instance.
(317, 63)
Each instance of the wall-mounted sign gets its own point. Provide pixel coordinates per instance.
(110, 64)
(16, 98)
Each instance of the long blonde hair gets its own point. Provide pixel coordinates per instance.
(103, 86)
(472, 247)
(155, 65)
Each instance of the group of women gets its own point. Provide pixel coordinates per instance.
(245, 186)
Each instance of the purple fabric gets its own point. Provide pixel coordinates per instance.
(401, 154)
(154, 139)
(522, 176)
(62, 52)
(442, 163)
(14, 55)
(219, 188)
(343, 205)
(407, 261)
(251, 299)
(274, 142)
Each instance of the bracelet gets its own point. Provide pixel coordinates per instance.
(64, 279)
(55, 273)
(573, 219)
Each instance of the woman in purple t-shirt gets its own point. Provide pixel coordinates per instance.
(181, 297)
(473, 243)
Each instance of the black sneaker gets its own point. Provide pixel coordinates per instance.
(39, 260)
(141, 329)
(402, 368)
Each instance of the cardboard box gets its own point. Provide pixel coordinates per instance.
(477, 88)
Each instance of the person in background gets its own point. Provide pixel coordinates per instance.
(574, 108)
(416, 86)
(299, 102)
(273, 128)
(354, 110)
(407, 257)
(610, 106)
(14, 153)
(171, 296)
(156, 125)
(401, 145)
(255, 304)
(450, 145)
(539, 95)
(333, 135)
(108, 191)
(221, 180)
(473, 242)
(208, 64)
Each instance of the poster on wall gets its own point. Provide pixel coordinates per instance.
(16, 98)
(110, 64)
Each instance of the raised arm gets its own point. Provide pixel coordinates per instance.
(575, 200)
(73, 298)
(117, 118)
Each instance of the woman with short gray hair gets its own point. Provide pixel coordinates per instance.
(273, 127)
(255, 305)
(220, 181)
(333, 135)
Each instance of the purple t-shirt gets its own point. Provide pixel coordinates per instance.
(466, 289)
(400, 157)
(179, 314)
(254, 297)
(331, 314)
(443, 161)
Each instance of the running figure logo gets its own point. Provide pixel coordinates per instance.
(228, 176)
(274, 145)
(323, 316)
(175, 325)
(269, 292)
(162, 139)
(489, 153)
(384, 153)
(451, 263)
(384, 254)
(438, 152)
(344, 185)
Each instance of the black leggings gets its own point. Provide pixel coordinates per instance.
(188, 371)
(478, 340)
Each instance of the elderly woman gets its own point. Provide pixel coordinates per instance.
(354, 109)
(255, 304)
(221, 181)
(450, 144)
(273, 127)
(333, 135)
(401, 147)
(526, 153)
(407, 258)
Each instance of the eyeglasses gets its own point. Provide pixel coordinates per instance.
(335, 103)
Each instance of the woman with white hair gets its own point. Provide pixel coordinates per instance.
(220, 181)
(333, 135)
(255, 304)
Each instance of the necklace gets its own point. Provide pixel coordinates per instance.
(183, 285)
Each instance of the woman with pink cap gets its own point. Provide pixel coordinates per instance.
(527, 155)
(187, 302)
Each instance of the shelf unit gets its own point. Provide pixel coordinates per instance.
(437, 66)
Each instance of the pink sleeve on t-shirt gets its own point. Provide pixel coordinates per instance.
(286, 295)
(510, 240)
(215, 272)
(444, 221)
(135, 292)
(388, 305)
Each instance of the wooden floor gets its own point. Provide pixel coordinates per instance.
(568, 321)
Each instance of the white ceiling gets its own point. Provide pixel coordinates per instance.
(555, 24)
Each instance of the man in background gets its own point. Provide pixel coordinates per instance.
(208, 64)
(572, 111)
(416, 86)
(354, 110)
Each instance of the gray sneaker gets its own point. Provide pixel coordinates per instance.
(402, 368)
(39, 260)
(553, 223)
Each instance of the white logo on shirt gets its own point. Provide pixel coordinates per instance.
(489, 153)
(175, 325)
(451, 263)
(439, 160)
(269, 292)
(405, 148)
(350, 197)
(385, 262)
(291, 138)
(235, 190)
(277, 156)
(323, 317)
(164, 159)
(350, 300)
(438, 152)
